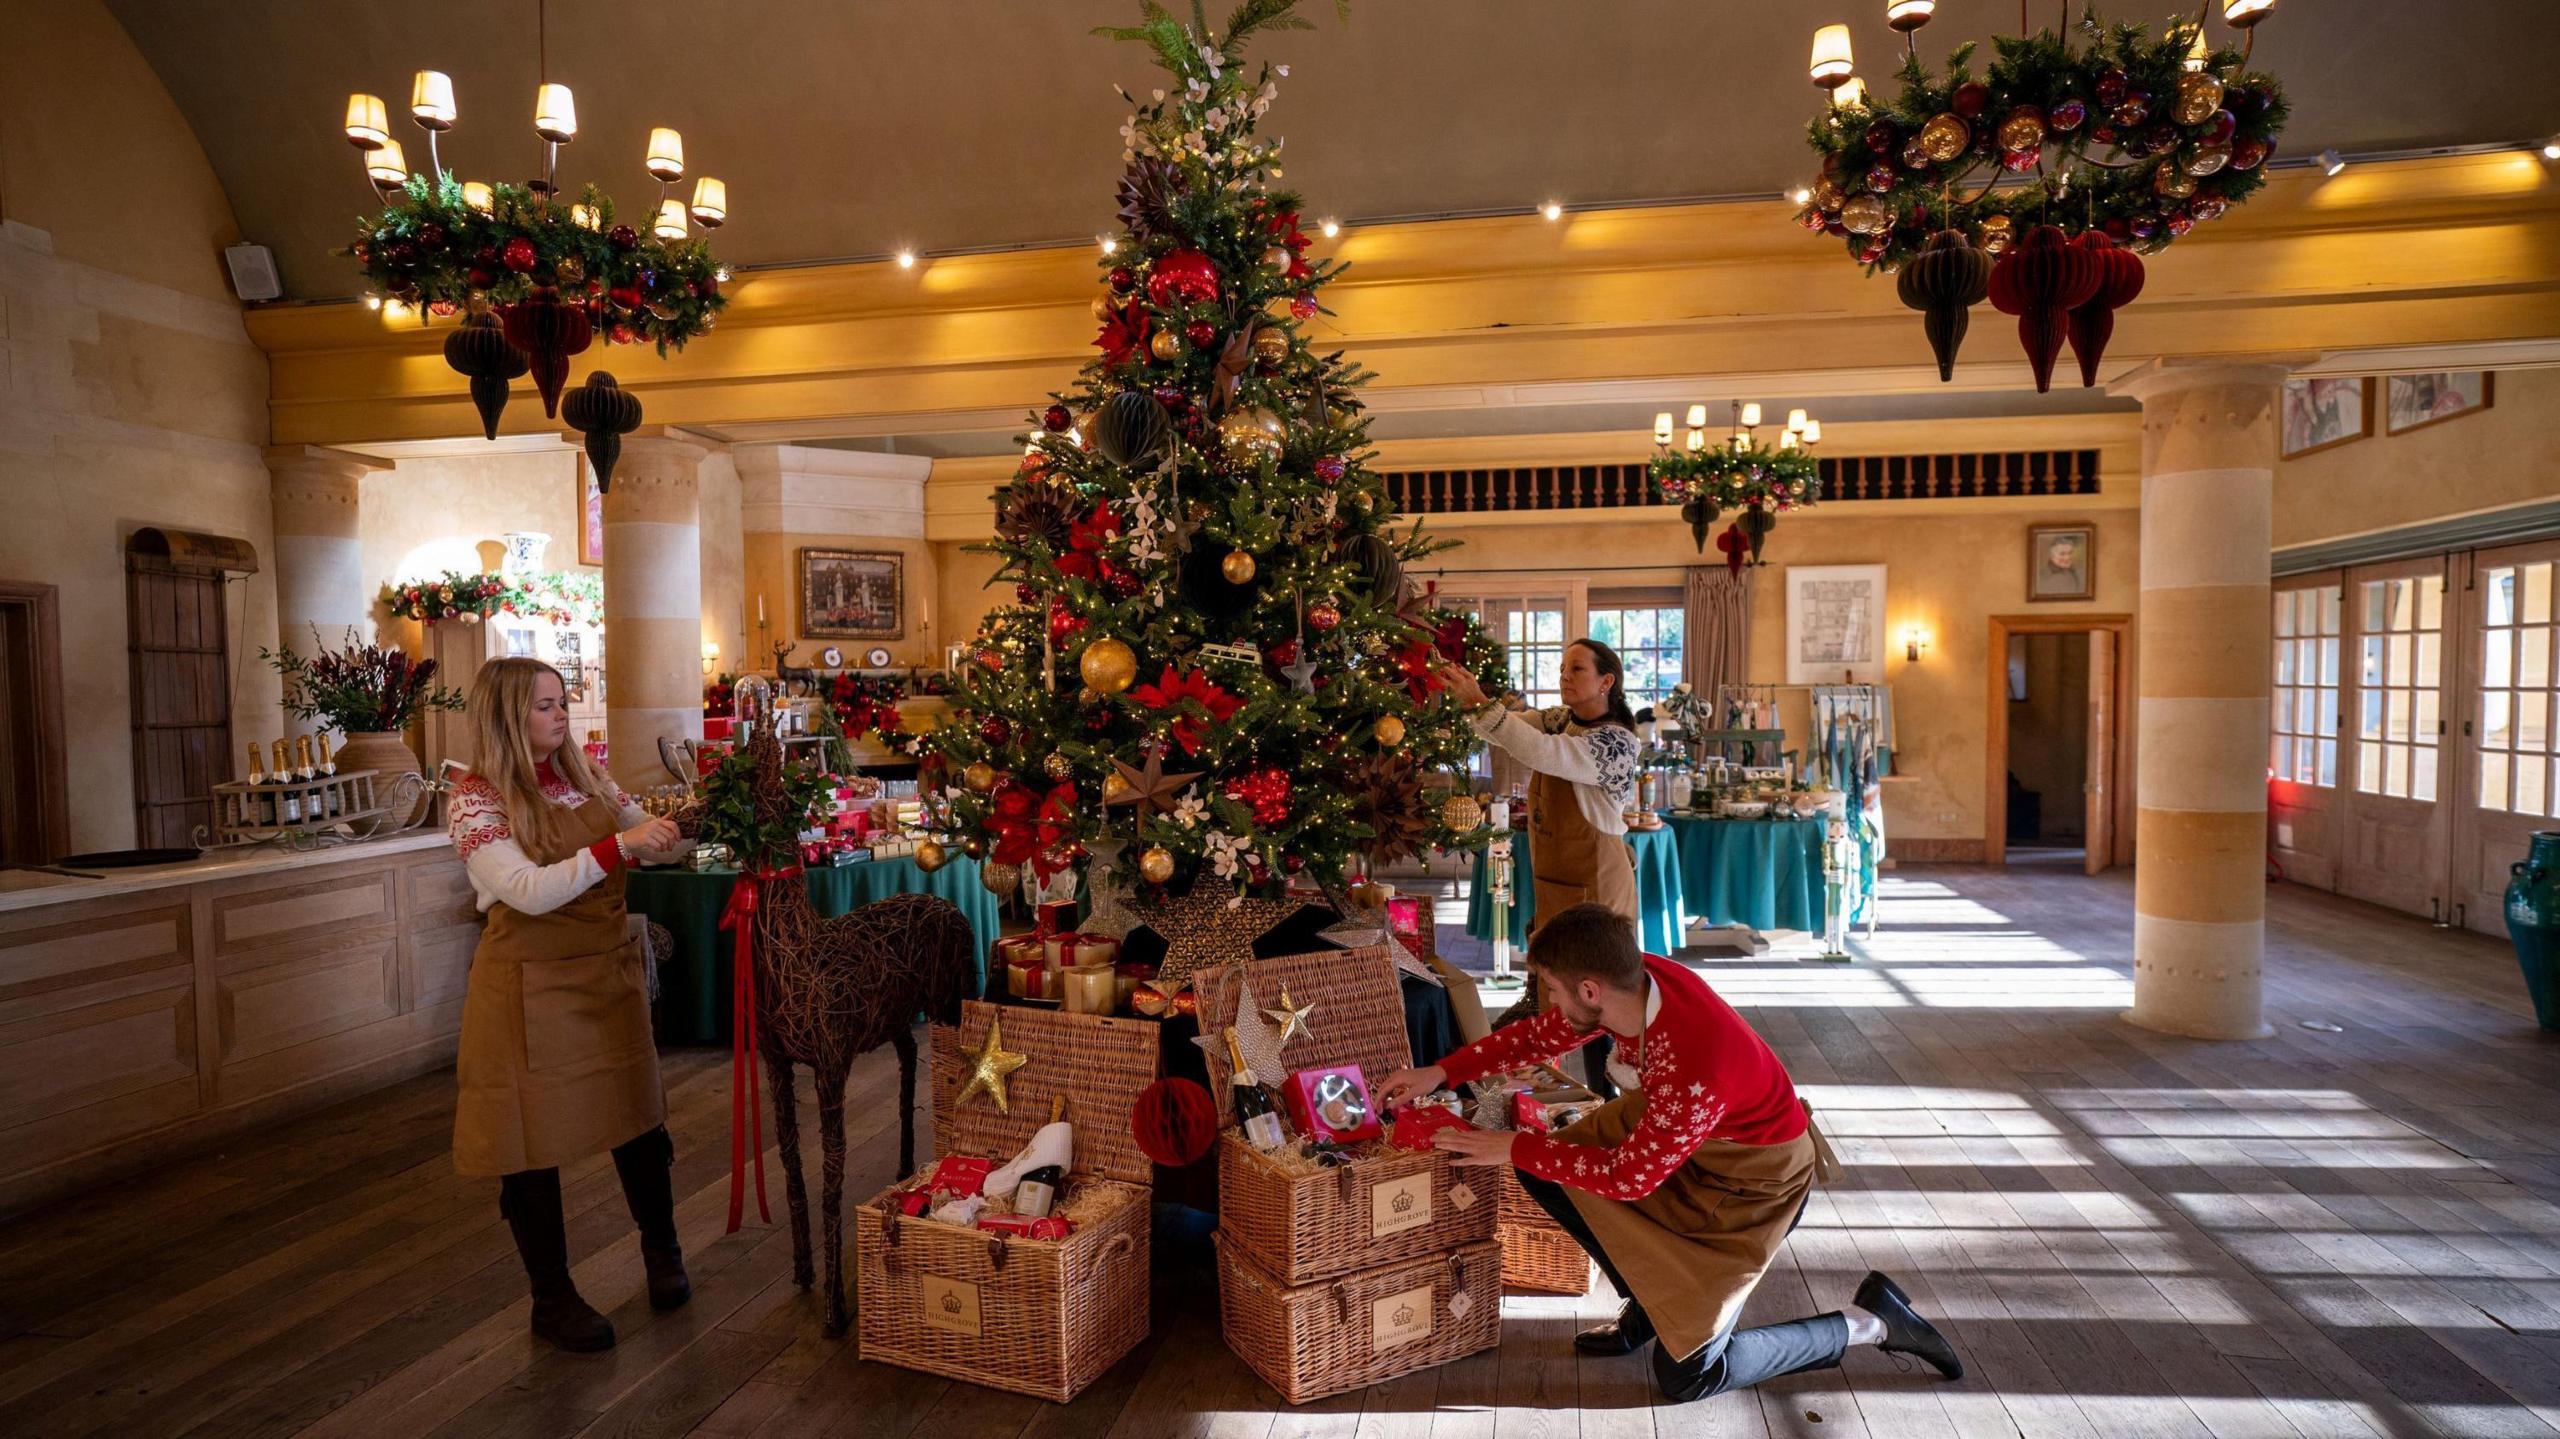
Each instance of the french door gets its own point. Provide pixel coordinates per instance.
(2395, 820)
(2509, 784)
(2303, 743)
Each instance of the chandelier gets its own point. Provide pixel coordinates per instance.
(536, 280)
(1740, 472)
(2041, 183)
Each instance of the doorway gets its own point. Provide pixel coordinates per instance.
(2052, 753)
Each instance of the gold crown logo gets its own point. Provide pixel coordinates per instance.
(950, 1302)
(1403, 1201)
(1404, 1315)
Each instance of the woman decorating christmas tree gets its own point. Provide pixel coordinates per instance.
(557, 1060)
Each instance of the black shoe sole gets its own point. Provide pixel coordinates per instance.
(1606, 1349)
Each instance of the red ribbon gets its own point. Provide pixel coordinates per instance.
(746, 1076)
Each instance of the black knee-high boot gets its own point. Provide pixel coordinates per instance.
(647, 1166)
(530, 1200)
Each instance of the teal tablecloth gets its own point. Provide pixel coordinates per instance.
(1766, 874)
(694, 988)
(1658, 898)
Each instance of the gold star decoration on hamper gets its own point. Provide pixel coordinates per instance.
(1292, 1018)
(1151, 785)
(1210, 928)
(989, 1068)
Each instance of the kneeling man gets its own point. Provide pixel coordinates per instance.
(1683, 1187)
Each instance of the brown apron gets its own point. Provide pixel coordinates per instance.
(557, 1061)
(1570, 861)
(1694, 1248)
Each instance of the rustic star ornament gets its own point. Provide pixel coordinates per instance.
(1209, 926)
(989, 1068)
(1292, 1018)
(1151, 785)
(1301, 673)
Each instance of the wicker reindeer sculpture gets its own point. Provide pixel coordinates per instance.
(827, 990)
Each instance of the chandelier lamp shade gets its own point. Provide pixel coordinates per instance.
(539, 275)
(2088, 129)
(1756, 479)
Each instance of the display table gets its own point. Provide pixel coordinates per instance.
(1760, 873)
(1659, 902)
(694, 987)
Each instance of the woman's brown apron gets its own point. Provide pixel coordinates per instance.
(557, 1061)
(1571, 861)
(1694, 1248)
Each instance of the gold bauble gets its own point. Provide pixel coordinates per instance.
(1103, 309)
(1943, 138)
(2023, 130)
(2209, 160)
(1167, 345)
(1997, 232)
(930, 855)
(980, 776)
(1827, 195)
(1002, 880)
(569, 270)
(1249, 436)
(1460, 813)
(1156, 865)
(1115, 788)
(1867, 215)
(2199, 95)
(1238, 567)
(2172, 182)
(1270, 344)
(1110, 666)
(1389, 731)
(975, 846)
(1277, 257)
(1057, 766)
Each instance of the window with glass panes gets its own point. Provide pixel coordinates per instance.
(2518, 692)
(2305, 712)
(2400, 666)
(1533, 641)
(1648, 638)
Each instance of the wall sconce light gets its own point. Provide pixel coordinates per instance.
(710, 659)
(1915, 642)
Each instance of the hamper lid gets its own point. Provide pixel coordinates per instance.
(1357, 1004)
(1100, 1063)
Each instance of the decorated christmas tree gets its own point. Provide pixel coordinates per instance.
(1215, 674)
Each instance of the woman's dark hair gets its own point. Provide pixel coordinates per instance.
(1605, 660)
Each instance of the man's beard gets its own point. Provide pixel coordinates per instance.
(1584, 1021)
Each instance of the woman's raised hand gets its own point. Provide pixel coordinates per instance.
(651, 837)
(1462, 685)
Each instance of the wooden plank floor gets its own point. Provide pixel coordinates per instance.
(2318, 1234)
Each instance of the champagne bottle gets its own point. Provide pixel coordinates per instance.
(302, 764)
(1256, 1115)
(1038, 1192)
(257, 764)
(327, 765)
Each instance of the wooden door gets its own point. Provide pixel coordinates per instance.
(2099, 831)
(178, 635)
(35, 813)
(2304, 717)
(2394, 834)
(2507, 783)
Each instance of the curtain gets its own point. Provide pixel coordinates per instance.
(1718, 650)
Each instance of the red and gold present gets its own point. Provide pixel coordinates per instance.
(1053, 916)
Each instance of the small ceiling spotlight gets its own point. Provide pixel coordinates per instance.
(2331, 162)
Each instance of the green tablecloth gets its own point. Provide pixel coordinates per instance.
(1658, 898)
(693, 999)
(1766, 874)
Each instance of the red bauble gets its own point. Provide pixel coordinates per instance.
(1175, 400)
(623, 237)
(1303, 306)
(1174, 1122)
(1123, 584)
(1055, 419)
(431, 235)
(480, 279)
(1330, 469)
(2091, 323)
(627, 296)
(1201, 334)
(517, 255)
(1123, 279)
(994, 729)
(1182, 277)
(1970, 97)
(2045, 280)
(623, 335)
(1285, 653)
(1323, 615)
(1025, 593)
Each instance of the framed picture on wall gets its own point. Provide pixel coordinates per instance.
(2417, 401)
(2062, 562)
(853, 595)
(1835, 624)
(2319, 413)
(590, 515)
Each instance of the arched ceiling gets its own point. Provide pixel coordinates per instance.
(855, 127)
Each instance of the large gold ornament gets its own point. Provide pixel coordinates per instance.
(1156, 865)
(2023, 130)
(990, 1067)
(1291, 1017)
(1460, 813)
(980, 776)
(1249, 436)
(1167, 345)
(1109, 666)
(1867, 215)
(1944, 136)
(1997, 233)
(1238, 567)
(1115, 789)
(1271, 344)
(2199, 95)
(1002, 880)
(930, 855)
(1389, 731)
(2172, 182)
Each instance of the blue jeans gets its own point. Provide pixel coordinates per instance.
(1733, 1358)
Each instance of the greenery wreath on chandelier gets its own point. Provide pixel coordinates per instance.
(2135, 137)
(1759, 481)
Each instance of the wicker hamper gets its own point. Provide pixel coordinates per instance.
(1355, 1330)
(1043, 1318)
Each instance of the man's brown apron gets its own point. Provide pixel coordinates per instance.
(1571, 861)
(557, 1061)
(1694, 1248)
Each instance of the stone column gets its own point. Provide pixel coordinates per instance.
(653, 601)
(2200, 891)
(318, 554)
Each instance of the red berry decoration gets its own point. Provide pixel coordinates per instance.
(1055, 419)
(2119, 281)
(1265, 791)
(1123, 584)
(1182, 277)
(517, 255)
(1174, 1122)
(2045, 280)
(1025, 593)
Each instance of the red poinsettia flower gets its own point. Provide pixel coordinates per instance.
(1417, 662)
(1451, 638)
(1085, 541)
(1124, 334)
(1184, 692)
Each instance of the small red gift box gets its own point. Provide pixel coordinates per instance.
(718, 727)
(1048, 1226)
(1528, 1116)
(1053, 917)
(1332, 1104)
(1416, 1123)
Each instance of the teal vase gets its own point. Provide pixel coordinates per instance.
(2533, 922)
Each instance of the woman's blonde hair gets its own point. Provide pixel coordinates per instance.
(501, 715)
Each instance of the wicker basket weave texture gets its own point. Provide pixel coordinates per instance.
(1312, 1340)
(1542, 1259)
(1099, 1062)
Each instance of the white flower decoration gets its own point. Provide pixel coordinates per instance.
(1227, 854)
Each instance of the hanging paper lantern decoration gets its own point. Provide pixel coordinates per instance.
(1702, 514)
(1377, 562)
(1944, 282)
(604, 412)
(2119, 281)
(1174, 1121)
(548, 332)
(1132, 429)
(2048, 279)
(1755, 524)
(479, 351)
(1735, 549)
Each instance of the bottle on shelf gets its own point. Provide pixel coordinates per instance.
(302, 762)
(327, 765)
(1257, 1118)
(255, 808)
(1038, 1192)
(257, 764)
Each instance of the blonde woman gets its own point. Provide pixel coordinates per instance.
(557, 1060)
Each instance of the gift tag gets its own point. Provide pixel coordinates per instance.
(1460, 1304)
(1463, 1196)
